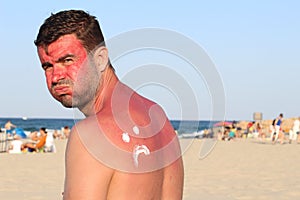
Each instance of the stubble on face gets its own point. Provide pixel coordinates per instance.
(86, 86)
(72, 78)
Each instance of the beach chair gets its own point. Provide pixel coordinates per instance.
(3, 142)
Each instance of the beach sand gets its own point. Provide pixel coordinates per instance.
(243, 170)
(233, 170)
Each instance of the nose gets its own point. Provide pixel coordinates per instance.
(58, 73)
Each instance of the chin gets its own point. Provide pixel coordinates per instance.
(66, 102)
(67, 105)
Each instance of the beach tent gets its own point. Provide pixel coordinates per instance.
(20, 132)
(222, 123)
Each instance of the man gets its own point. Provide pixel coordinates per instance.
(9, 127)
(126, 147)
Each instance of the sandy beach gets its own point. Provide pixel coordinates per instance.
(241, 169)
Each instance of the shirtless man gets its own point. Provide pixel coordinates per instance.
(9, 127)
(126, 147)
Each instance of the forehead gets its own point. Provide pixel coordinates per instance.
(67, 44)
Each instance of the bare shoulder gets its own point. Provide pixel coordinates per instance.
(166, 147)
(86, 177)
(136, 161)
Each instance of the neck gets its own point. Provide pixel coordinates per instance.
(104, 92)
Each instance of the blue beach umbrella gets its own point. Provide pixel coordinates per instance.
(20, 132)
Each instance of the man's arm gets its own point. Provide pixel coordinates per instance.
(86, 177)
(173, 181)
(174, 173)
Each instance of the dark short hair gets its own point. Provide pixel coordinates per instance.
(43, 129)
(83, 25)
(281, 115)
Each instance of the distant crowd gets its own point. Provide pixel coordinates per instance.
(14, 140)
(255, 129)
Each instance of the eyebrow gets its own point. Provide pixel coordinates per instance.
(61, 59)
(46, 64)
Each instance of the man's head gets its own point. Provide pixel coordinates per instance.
(84, 26)
(43, 130)
(73, 55)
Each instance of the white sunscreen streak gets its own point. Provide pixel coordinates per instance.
(138, 149)
(136, 130)
(125, 137)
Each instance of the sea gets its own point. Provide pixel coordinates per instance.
(34, 124)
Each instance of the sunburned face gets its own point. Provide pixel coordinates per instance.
(71, 78)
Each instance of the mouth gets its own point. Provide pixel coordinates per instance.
(61, 89)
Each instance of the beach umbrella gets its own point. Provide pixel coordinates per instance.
(223, 123)
(20, 132)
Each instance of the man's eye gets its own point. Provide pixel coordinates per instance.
(68, 61)
(46, 67)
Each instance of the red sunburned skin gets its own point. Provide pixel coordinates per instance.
(61, 63)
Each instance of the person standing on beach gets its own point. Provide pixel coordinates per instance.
(278, 124)
(125, 148)
(272, 130)
(298, 133)
(66, 132)
(259, 129)
(9, 127)
(294, 132)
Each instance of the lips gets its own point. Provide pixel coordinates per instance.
(61, 90)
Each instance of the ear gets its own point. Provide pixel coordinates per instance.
(101, 58)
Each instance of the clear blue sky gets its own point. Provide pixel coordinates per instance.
(255, 46)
